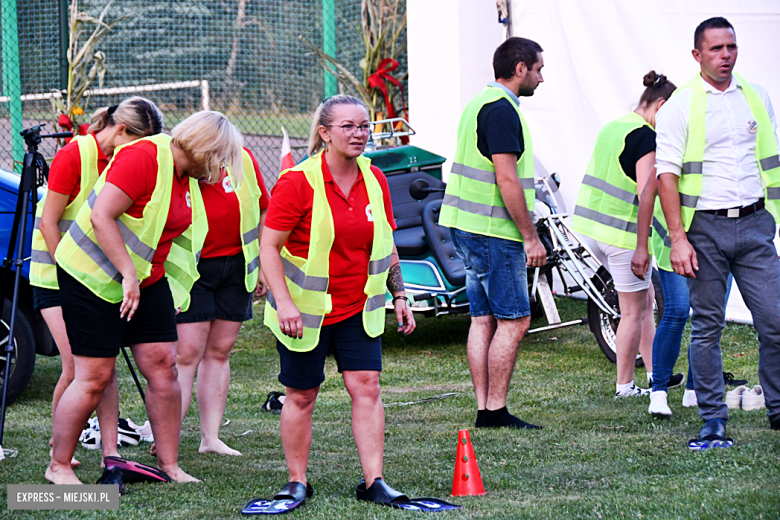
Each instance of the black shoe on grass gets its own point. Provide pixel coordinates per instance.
(728, 379)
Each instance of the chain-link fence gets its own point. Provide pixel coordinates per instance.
(242, 57)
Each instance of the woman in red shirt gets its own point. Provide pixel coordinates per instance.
(143, 203)
(111, 127)
(221, 299)
(342, 126)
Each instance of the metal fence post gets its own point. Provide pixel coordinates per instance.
(12, 87)
(329, 43)
(64, 43)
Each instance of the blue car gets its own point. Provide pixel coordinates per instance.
(31, 333)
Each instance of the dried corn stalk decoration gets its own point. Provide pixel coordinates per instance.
(382, 24)
(85, 61)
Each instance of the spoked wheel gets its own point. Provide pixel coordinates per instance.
(602, 324)
(22, 355)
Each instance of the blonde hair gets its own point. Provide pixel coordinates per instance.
(324, 117)
(140, 116)
(211, 141)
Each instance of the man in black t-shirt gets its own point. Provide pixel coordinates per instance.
(495, 254)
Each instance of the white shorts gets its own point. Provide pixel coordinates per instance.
(618, 262)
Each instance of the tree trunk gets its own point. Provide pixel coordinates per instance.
(232, 91)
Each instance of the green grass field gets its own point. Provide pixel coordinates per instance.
(596, 457)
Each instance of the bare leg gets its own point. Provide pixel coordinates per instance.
(108, 417)
(213, 385)
(189, 352)
(633, 308)
(481, 334)
(368, 420)
(53, 318)
(501, 359)
(157, 363)
(648, 331)
(295, 430)
(77, 403)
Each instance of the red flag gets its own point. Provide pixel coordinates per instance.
(287, 158)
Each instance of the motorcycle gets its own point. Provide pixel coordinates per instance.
(434, 275)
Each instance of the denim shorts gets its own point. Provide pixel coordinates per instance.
(346, 340)
(220, 292)
(496, 279)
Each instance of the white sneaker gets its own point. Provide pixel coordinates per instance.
(753, 399)
(734, 397)
(689, 399)
(634, 391)
(658, 406)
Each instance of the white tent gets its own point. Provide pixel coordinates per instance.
(596, 53)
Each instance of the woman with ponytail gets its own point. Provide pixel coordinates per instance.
(127, 262)
(328, 255)
(74, 171)
(606, 212)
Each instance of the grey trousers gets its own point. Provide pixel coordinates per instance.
(743, 246)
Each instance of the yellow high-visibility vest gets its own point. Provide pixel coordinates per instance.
(43, 270)
(80, 255)
(307, 278)
(690, 182)
(607, 203)
(472, 201)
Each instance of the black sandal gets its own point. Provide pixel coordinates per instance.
(292, 496)
(381, 493)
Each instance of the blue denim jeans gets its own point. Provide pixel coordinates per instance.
(668, 335)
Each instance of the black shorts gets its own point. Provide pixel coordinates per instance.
(44, 298)
(346, 340)
(220, 292)
(95, 328)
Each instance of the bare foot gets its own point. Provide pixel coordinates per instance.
(153, 449)
(177, 474)
(73, 462)
(112, 454)
(57, 474)
(217, 447)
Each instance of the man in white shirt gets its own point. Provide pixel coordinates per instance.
(719, 185)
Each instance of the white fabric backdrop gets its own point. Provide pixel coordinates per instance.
(596, 53)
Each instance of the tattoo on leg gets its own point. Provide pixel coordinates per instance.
(395, 282)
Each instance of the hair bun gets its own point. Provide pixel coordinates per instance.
(650, 78)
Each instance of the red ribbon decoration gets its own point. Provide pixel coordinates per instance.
(377, 80)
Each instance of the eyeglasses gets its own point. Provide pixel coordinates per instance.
(350, 130)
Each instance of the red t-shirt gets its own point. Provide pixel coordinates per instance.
(134, 171)
(290, 210)
(224, 214)
(65, 169)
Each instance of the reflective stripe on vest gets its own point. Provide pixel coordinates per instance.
(308, 279)
(690, 183)
(472, 200)
(248, 193)
(607, 203)
(181, 265)
(43, 272)
(81, 257)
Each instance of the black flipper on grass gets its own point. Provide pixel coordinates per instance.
(382, 494)
(292, 496)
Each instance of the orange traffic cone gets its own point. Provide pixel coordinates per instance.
(467, 480)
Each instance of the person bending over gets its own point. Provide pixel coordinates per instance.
(74, 171)
(127, 261)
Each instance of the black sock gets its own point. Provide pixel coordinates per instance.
(480, 423)
(502, 418)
